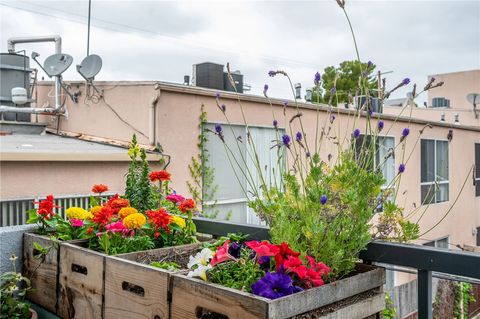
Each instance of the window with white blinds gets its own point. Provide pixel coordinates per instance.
(236, 173)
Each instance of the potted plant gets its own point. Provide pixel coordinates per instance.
(13, 290)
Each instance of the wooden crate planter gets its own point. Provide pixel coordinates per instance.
(135, 290)
(80, 285)
(358, 296)
(44, 275)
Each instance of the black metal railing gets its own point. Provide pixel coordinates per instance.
(423, 258)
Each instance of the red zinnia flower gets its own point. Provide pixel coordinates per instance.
(186, 205)
(116, 203)
(159, 218)
(99, 188)
(103, 216)
(161, 176)
(46, 206)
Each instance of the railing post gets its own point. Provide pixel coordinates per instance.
(424, 291)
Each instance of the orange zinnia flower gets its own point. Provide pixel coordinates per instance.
(187, 205)
(99, 188)
(161, 176)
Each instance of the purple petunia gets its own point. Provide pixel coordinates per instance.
(234, 249)
(381, 124)
(317, 78)
(401, 168)
(275, 123)
(323, 199)
(286, 140)
(405, 81)
(356, 133)
(274, 285)
(298, 136)
(405, 132)
(218, 128)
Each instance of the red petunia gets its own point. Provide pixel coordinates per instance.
(222, 254)
(160, 176)
(99, 188)
(318, 267)
(262, 248)
(186, 205)
(284, 253)
(103, 216)
(159, 218)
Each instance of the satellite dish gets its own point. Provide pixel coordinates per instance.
(473, 98)
(90, 66)
(56, 64)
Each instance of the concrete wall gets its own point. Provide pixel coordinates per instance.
(11, 239)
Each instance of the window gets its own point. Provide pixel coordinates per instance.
(383, 160)
(231, 202)
(439, 243)
(478, 236)
(477, 169)
(434, 171)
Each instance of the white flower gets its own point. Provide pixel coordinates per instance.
(200, 271)
(201, 258)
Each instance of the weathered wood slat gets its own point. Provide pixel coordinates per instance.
(43, 275)
(362, 309)
(133, 289)
(80, 282)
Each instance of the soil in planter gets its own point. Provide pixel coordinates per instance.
(180, 256)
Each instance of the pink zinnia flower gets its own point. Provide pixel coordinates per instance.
(76, 222)
(116, 227)
(174, 198)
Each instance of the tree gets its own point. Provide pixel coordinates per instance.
(344, 80)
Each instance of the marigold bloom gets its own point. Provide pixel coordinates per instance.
(78, 213)
(159, 218)
(125, 211)
(134, 221)
(99, 188)
(95, 210)
(179, 221)
(160, 176)
(186, 205)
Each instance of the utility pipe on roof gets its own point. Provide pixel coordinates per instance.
(30, 110)
(58, 49)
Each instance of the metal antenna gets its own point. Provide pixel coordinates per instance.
(88, 32)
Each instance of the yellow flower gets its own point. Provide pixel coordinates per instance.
(134, 221)
(125, 211)
(78, 213)
(95, 210)
(179, 221)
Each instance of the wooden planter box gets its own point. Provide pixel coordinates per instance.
(44, 276)
(358, 296)
(133, 289)
(82, 287)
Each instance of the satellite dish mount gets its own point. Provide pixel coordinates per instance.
(89, 68)
(474, 98)
(54, 66)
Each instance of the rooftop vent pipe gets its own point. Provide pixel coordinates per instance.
(58, 49)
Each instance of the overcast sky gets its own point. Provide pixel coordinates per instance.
(160, 40)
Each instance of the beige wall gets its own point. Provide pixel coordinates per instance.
(455, 88)
(177, 115)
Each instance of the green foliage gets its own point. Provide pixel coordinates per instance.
(115, 243)
(463, 298)
(13, 290)
(346, 79)
(138, 189)
(202, 187)
(240, 274)
(390, 311)
(168, 265)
